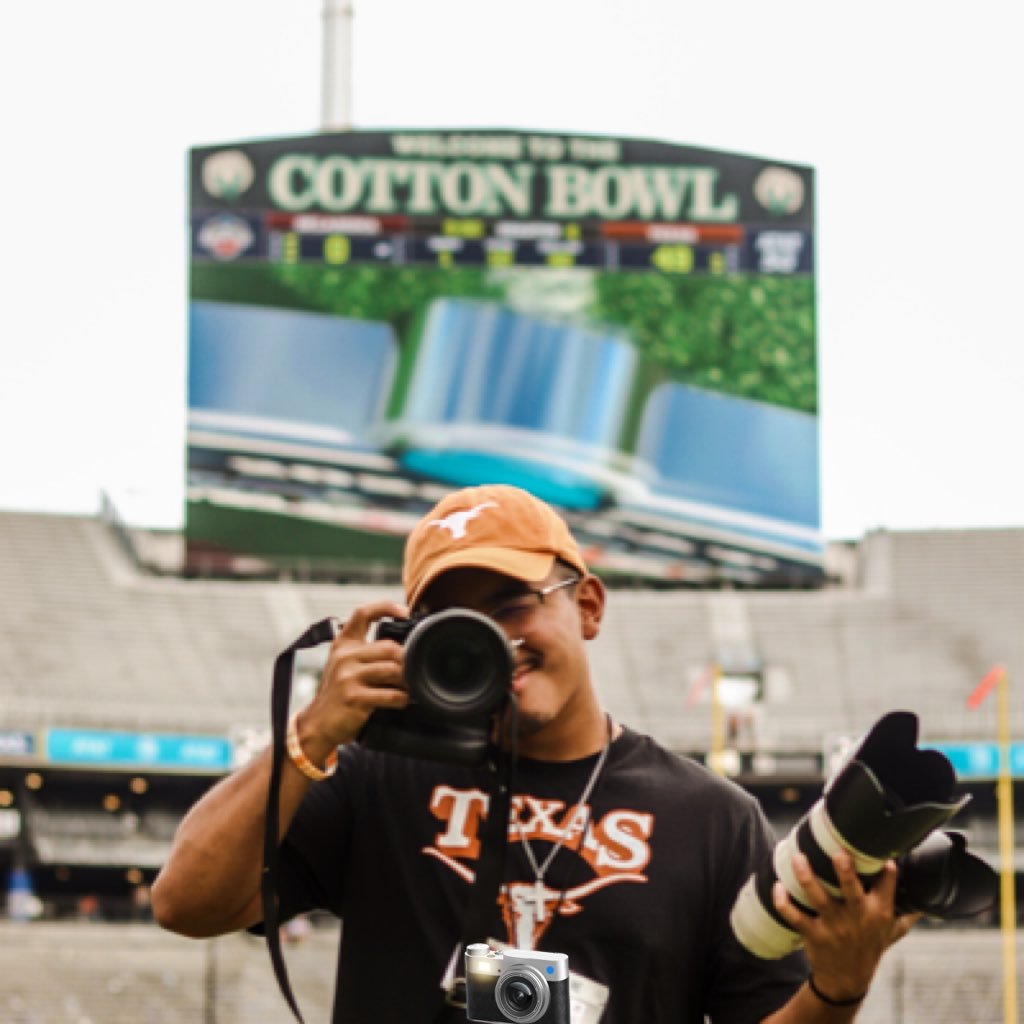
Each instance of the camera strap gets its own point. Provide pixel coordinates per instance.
(319, 633)
(493, 832)
(490, 865)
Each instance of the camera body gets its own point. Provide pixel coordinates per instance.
(398, 630)
(458, 668)
(517, 986)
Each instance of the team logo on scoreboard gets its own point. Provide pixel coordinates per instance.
(225, 237)
(779, 190)
(227, 174)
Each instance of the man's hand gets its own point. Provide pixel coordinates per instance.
(211, 881)
(845, 942)
(360, 676)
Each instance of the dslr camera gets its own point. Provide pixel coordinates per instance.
(458, 668)
(888, 801)
(518, 985)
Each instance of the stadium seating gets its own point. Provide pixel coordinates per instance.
(89, 639)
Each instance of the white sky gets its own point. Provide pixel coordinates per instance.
(909, 111)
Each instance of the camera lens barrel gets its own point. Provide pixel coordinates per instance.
(458, 664)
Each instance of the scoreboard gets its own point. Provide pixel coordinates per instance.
(400, 240)
(624, 326)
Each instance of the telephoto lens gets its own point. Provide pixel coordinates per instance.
(887, 799)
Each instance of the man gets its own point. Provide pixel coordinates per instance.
(623, 856)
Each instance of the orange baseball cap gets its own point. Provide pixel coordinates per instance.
(495, 527)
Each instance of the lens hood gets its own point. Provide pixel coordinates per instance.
(891, 795)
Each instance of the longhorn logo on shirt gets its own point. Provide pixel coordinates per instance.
(615, 848)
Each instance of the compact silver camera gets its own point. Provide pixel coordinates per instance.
(518, 985)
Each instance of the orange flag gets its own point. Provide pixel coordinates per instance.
(986, 686)
(699, 685)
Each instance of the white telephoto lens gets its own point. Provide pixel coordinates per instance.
(756, 929)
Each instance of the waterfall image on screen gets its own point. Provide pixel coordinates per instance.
(499, 395)
(751, 465)
(282, 373)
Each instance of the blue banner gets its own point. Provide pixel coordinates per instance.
(152, 750)
(981, 760)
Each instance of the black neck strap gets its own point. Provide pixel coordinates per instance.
(493, 834)
(321, 632)
(490, 865)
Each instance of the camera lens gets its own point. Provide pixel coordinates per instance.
(458, 664)
(459, 667)
(522, 994)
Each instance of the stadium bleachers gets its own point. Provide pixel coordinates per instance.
(903, 635)
(86, 638)
(74, 835)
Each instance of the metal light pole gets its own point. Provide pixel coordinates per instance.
(336, 66)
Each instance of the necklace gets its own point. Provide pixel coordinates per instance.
(539, 891)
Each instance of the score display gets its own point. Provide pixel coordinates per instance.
(671, 248)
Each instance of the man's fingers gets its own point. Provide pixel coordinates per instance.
(903, 924)
(796, 918)
(372, 697)
(378, 651)
(885, 886)
(357, 625)
(360, 676)
(815, 894)
(378, 675)
(849, 884)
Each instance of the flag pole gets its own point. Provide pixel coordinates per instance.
(1008, 905)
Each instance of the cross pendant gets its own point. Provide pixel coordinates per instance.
(539, 900)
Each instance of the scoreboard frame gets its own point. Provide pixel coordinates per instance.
(688, 254)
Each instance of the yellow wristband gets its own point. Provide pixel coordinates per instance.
(302, 762)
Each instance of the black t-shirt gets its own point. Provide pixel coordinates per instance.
(638, 897)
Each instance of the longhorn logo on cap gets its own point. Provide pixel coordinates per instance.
(455, 523)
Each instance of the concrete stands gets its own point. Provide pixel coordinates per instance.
(86, 639)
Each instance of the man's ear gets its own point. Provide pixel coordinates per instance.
(590, 598)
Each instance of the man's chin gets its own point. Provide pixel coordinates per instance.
(529, 723)
(532, 722)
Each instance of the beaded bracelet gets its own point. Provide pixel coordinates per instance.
(302, 762)
(828, 1000)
